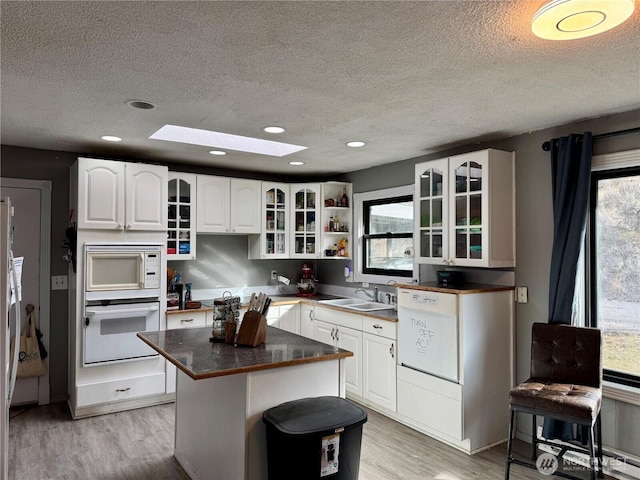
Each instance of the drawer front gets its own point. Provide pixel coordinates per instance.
(337, 317)
(379, 327)
(117, 390)
(186, 320)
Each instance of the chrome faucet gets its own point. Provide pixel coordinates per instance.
(372, 295)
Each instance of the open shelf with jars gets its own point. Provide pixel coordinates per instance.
(337, 220)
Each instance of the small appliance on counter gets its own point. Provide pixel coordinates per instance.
(450, 278)
(225, 309)
(307, 284)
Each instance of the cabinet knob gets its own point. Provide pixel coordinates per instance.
(187, 320)
(377, 327)
(392, 350)
(126, 389)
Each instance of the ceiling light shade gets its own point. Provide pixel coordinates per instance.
(571, 19)
(296, 163)
(273, 129)
(356, 144)
(217, 152)
(110, 138)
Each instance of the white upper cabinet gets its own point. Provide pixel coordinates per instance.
(273, 241)
(181, 231)
(245, 205)
(465, 210)
(213, 206)
(121, 196)
(305, 220)
(227, 205)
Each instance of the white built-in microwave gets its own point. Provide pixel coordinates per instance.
(122, 270)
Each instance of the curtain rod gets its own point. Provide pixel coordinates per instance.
(546, 146)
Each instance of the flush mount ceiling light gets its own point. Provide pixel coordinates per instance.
(355, 144)
(571, 19)
(217, 152)
(207, 138)
(273, 129)
(110, 138)
(296, 163)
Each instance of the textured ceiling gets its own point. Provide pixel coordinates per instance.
(409, 78)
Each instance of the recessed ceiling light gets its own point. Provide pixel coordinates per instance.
(571, 19)
(273, 129)
(356, 144)
(111, 138)
(141, 104)
(217, 152)
(227, 141)
(296, 163)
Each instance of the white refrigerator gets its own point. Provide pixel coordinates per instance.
(8, 277)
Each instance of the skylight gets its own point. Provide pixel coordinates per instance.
(226, 141)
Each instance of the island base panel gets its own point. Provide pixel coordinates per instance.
(219, 429)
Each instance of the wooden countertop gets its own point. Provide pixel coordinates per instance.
(460, 290)
(189, 350)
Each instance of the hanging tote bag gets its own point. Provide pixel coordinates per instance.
(30, 360)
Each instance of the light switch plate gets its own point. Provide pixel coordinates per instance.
(59, 282)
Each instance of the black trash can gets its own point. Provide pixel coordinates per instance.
(314, 438)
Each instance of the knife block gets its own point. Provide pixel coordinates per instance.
(253, 329)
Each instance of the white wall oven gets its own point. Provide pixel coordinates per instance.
(121, 298)
(110, 331)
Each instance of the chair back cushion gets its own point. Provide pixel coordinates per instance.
(566, 354)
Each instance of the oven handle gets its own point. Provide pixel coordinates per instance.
(147, 309)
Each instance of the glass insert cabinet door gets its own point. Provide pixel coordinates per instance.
(431, 210)
(180, 227)
(305, 220)
(275, 221)
(467, 183)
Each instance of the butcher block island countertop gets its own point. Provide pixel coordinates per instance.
(222, 392)
(190, 350)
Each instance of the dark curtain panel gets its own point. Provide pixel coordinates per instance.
(570, 179)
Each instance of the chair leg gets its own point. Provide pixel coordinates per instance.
(507, 466)
(592, 454)
(534, 437)
(599, 441)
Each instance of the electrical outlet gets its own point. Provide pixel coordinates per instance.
(274, 274)
(365, 284)
(59, 282)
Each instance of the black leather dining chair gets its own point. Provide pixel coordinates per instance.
(565, 384)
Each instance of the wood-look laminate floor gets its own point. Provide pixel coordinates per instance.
(44, 443)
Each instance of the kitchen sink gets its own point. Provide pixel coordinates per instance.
(357, 304)
(342, 302)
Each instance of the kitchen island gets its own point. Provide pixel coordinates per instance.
(222, 391)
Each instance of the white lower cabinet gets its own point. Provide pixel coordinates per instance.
(183, 319)
(379, 362)
(348, 339)
(285, 317)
